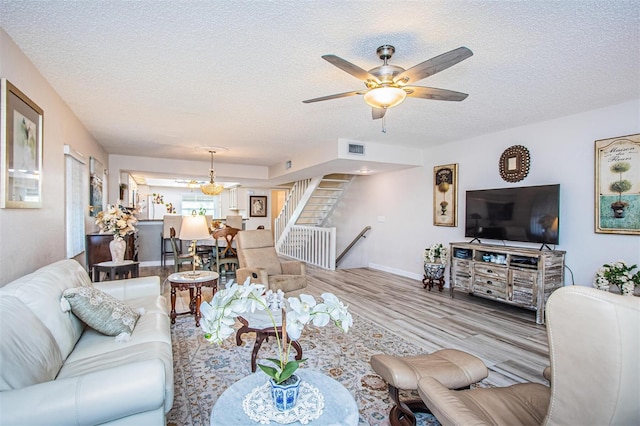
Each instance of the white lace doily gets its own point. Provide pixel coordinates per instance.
(258, 405)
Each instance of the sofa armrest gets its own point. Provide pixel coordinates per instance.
(260, 277)
(94, 398)
(293, 267)
(131, 288)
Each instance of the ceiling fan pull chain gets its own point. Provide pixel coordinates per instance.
(384, 124)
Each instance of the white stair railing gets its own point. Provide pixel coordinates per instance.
(293, 199)
(295, 214)
(311, 244)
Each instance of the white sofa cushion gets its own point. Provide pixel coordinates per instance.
(26, 358)
(41, 291)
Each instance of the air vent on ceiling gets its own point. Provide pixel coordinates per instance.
(356, 149)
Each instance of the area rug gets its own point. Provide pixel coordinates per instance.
(203, 371)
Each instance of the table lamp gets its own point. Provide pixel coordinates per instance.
(194, 228)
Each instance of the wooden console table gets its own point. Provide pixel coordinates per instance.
(97, 248)
(518, 276)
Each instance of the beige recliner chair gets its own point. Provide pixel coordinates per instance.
(259, 262)
(594, 344)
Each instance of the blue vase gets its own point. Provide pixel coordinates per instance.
(285, 394)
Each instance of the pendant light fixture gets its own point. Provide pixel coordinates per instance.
(211, 188)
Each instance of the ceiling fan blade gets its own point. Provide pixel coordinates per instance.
(433, 65)
(336, 96)
(435, 94)
(350, 68)
(378, 113)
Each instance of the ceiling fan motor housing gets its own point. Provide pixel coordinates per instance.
(385, 52)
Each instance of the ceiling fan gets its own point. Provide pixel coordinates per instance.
(387, 85)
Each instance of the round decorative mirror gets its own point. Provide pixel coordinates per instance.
(514, 163)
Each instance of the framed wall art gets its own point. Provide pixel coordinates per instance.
(96, 183)
(257, 206)
(445, 195)
(21, 155)
(617, 185)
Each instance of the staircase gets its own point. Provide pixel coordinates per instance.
(299, 229)
(323, 200)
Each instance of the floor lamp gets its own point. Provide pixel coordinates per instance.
(194, 228)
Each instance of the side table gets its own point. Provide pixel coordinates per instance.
(115, 270)
(191, 282)
(433, 276)
(340, 407)
(260, 323)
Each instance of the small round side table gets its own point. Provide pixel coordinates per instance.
(190, 281)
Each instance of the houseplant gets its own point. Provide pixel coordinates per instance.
(219, 318)
(437, 253)
(119, 221)
(618, 274)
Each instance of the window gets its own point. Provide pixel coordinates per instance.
(74, 201)
(202, 204)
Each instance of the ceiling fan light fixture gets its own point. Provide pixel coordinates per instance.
(385, 97)
(211, 188)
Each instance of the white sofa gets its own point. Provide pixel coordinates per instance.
(55, 370)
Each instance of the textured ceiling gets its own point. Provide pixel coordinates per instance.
(150, 78)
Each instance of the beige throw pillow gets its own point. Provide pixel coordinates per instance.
(101, 311)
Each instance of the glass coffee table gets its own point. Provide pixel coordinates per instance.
(260, 322)
(339, 406)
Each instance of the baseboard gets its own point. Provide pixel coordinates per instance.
(396, 271)
(155, 263)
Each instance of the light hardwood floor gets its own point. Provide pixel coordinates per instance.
(506, 338)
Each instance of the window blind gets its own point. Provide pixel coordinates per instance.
(74, 201)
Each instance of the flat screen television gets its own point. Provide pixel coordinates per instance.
(528, 214)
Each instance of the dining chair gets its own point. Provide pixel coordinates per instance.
(226, 256)
(179, 258)
(234, 221)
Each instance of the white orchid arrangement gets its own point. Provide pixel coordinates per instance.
(219, 318)
(116, 220)
(436, 251)
(618, 274)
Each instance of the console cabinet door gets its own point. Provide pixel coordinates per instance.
(461, 274)
(524, 285)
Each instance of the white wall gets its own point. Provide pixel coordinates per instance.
(562, 151)
(31, 238)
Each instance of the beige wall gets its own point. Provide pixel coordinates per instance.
(30, 238)
(398, 205)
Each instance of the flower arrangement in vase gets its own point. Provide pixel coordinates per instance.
(618, 274)
(436, 253)
(219, 318)
(116, 220)
(119, 221)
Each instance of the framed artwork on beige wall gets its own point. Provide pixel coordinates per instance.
(617, 185)
(258, 206)
(21, 154)
(445, 195)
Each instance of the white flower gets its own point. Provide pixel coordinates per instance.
(436, 251)
(116, 220)
(299, 314)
